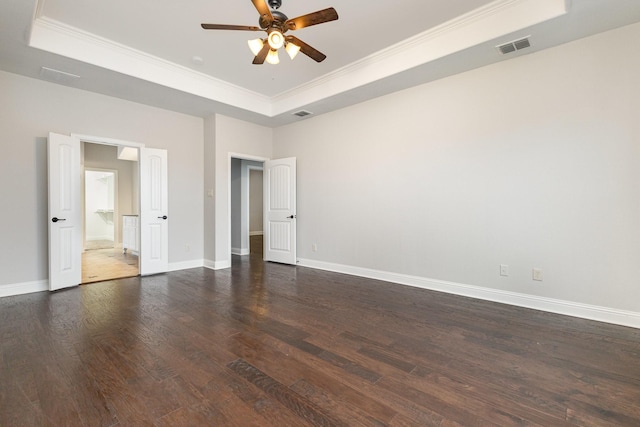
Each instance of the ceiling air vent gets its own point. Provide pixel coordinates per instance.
(513, 46)
(302, 113)
(58, 76)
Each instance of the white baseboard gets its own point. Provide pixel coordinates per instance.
(241, 252)
(23, 288)
(568, 308)
(216, 265)
(256, 233)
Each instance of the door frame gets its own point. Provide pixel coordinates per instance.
(241, 157)
(92, 139)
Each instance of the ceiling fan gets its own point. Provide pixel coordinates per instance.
(276, 24)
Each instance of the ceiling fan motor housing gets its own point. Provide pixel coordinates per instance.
(279, 19)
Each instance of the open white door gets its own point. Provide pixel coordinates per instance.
(280, 210)
(65, 217)
(154, 230)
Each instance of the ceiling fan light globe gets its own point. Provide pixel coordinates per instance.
(272, 57)
(255, 45)
(276, 39)
(292, 50)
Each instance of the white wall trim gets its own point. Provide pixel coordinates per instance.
(488, 22)
(239, 251)
(493, 20)
(568, 308)
(216, 265)
(23, 288)
(62, 39)
(107, 141)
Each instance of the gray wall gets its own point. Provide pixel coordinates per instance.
(228, 137)
(32, 109)
(532, 162)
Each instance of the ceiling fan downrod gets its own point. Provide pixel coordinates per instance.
(275, 4)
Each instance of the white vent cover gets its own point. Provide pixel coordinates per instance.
(58, 76)
(302, 113)
(513, 46)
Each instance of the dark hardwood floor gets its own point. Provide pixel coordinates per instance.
(273, 345)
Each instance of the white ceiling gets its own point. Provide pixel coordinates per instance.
(143, 50)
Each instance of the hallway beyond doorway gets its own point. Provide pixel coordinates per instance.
(255, 243)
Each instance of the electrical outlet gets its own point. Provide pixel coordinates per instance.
(537, 274)
(504, 270)
(314, 247)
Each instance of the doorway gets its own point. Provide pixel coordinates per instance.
(66, 161)
(110, 203)
(256, 223)
(100, 187)
(246, 206)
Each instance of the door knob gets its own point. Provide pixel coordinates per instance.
(54, 219)
(162, 217)
(291, 217)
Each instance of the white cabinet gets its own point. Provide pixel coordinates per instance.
(130, 235)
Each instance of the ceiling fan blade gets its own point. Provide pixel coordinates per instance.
(262, 55)
(311, 52)
(314, 18)
(230, 27)
(266, 18)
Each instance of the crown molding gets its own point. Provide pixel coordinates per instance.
(62, 39)
(481, 25)
(499, 18)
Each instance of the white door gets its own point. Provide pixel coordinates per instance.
(154, 230)
(65, 217)
(280, 210)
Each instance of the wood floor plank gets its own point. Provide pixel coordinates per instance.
(304, 408)
(379, 404)
(334, 404)
(269, 345)
(193, 416)
(296, 365)
(245, 404)
(293, 371)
